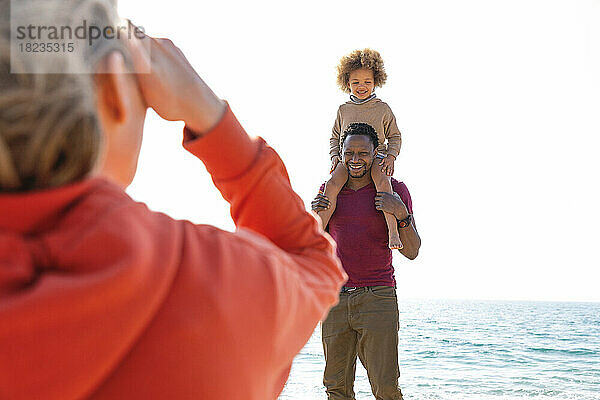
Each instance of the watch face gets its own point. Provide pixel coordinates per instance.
(405, 222)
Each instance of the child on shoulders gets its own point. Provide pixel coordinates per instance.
(359, 73)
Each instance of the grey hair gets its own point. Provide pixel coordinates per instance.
(49, 129)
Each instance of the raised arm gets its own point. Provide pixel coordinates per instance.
(278, 273)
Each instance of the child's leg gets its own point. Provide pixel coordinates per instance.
(384, 184)
(332, 189)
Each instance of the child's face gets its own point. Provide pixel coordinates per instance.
(361, 83)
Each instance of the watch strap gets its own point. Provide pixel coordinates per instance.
(403, 223)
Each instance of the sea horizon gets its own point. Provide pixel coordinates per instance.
(476, 299)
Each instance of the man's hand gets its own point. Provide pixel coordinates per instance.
(387, 165)
(334, 162)
(172, 87)
(320, 203)
(391, 203)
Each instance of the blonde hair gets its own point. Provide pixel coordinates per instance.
(359, 59)
(49, 129)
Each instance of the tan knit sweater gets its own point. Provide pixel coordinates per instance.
(375, 113)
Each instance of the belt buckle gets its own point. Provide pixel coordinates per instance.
(350, 289)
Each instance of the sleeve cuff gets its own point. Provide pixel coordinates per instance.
(226, 150)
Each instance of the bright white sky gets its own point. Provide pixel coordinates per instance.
(498, 103)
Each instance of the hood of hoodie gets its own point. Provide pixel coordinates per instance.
(81, 276)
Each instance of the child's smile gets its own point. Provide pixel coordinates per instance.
(361, 83)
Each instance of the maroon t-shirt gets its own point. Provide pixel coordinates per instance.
(361, 235)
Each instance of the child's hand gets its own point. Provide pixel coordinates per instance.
(334, 162)
(387, 165)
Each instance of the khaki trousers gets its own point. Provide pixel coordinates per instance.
(363, 323)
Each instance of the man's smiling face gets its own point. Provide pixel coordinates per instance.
(358, 154)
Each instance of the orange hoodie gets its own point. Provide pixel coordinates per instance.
(101, 298)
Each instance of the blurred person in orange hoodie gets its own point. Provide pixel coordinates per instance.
(101, 298)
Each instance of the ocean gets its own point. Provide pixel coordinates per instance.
(479, 350)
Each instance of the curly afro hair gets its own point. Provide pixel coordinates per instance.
(366, 58)
(360, 128)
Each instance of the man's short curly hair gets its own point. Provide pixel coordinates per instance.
(358, 59)
(360, 128)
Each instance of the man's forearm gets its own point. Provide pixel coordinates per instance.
(411, 240)
(408, 235)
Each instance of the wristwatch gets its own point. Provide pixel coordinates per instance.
(403, 223)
